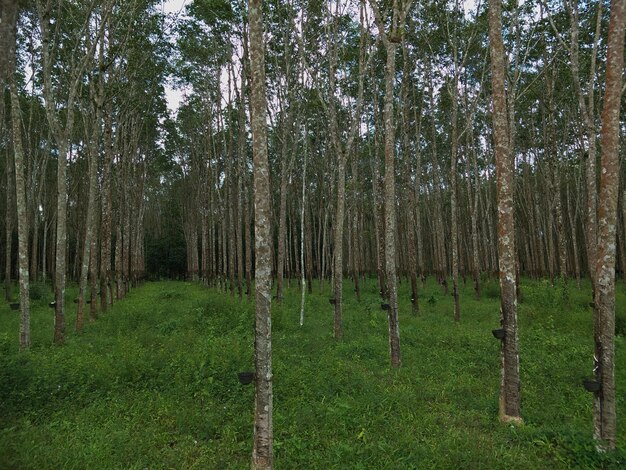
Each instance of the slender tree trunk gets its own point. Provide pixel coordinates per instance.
(410, 192)
(572, 224)
(93, 270)
(230, 202)
(510, 396)
(262, 455)
(239, 221)
(34, 250)
(126, 235)
(355, 226)
(91, 217)
(453, 200)
(342, 153)
(10, 14)
(623, 230)
(8, 223)
(378, 212)
(248, 242)
(390, 176)
(587, 110)
(282, 220)
(338, 245)
(475, 251)
(106, 288)
(302, 233)
(323, 249)
(605, 420)
(119, 293)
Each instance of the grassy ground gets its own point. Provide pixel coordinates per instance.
(153, 384)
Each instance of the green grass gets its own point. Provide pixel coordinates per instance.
(153, 384)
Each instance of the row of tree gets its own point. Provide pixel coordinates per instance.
(81, 126)
(391, 138)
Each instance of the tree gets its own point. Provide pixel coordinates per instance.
(262, 454)
(510, 396)
(7, 36)
(605, 420)
(342, 152)
(390, 40)
(10, 14)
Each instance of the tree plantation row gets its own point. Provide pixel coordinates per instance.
(317, 140)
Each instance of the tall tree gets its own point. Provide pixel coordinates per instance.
(390, 40)
(10, 14)
(510, 395)
(96, 91)
(7, 37)
(262, 454)
(605, 420)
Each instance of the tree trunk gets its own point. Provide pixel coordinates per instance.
(7, 38)
(302, 233)
(390, 177)
(355, 226)
(10, 15)
(8, 223)
(587, 110)
(338, 245)
(475, 253)
(282, 221)
(510, 410)
(106, 287)
(91, 214)
(378, 212)
(453, 198)
(410, 192)
(262, 455)
(572, 223)
(605, 420)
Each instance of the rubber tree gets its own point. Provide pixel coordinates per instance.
(10, 14)
(390, 40)
(510, 393)
(605, 420)
(262, 453)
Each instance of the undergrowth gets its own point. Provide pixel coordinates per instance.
(153, 383)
